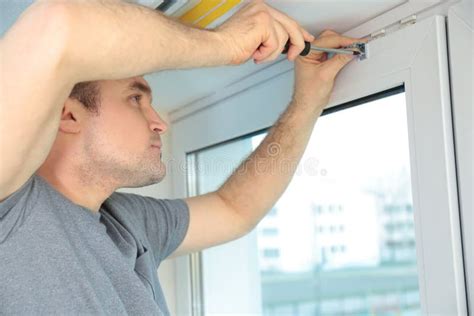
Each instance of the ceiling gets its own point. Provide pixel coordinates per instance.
(173, 89)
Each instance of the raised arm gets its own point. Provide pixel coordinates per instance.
(56, 44)
(115, 39)
(33, 87)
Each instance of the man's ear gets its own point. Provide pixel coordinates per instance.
(72, 117)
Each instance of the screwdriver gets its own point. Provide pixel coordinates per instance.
(308, 47)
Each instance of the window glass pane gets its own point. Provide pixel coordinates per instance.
(214, 165)
(340, 240)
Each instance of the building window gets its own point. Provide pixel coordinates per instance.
(271, 253)
(270, 232)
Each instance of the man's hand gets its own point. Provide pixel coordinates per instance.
(260, 32)
(315, 74)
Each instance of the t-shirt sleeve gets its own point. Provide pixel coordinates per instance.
(164, 221)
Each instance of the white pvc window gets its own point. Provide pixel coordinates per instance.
(402, 58)
(341, 239)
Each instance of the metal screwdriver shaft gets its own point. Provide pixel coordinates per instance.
(309, 47)
(334, 50)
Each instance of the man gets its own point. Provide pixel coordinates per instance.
(73, 130)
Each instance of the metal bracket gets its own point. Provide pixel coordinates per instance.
(359, 47)
(362, 48)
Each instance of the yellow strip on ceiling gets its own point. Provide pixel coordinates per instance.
(214, 15)
(199, 10)
(208, 10)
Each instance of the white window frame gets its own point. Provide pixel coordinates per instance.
(402, 56)
(461, 52)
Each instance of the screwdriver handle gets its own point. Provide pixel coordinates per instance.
(304, 52)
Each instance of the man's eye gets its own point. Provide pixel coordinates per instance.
(137, 98)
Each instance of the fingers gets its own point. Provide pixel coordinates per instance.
(331, 39)
(284, 29)
(267, 47)
(335, 64)
(308, 36)
(281, 39)
(296, 33)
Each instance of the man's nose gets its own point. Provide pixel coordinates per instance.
(157, 124)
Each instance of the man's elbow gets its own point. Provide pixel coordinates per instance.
(246, 222)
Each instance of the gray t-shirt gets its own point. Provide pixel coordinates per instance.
(59, 258)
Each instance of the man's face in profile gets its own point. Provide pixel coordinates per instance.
(120, 143)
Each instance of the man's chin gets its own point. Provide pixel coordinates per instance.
(146, 181)
(142, 178)
(159, 178)
(160, 174)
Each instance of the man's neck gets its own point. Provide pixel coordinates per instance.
(81, 191)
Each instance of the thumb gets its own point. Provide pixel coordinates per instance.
(336, 63)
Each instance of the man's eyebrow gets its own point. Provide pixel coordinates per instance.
(137, 85)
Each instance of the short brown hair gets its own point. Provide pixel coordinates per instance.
(88, 93)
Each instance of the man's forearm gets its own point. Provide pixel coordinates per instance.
(116, 39)
(255, 186)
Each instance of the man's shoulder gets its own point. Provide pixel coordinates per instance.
(16, 208)
(126, 200)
